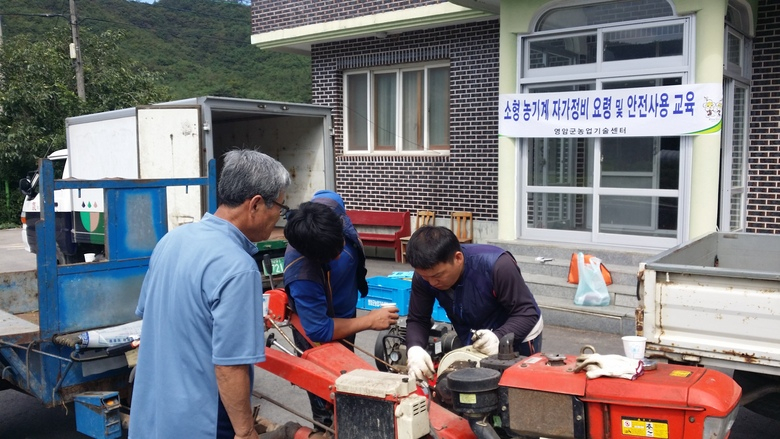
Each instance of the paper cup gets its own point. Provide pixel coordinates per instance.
(634, 346)
(266, 298)
(89, 257)
(389, 305)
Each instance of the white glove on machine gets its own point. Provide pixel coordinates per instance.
(485, 342)
(598, 365)
(419, 364)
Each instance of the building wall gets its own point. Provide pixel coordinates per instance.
(467, 179)
(763, 214)
(271, 15)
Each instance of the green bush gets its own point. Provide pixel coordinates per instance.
(10, 205)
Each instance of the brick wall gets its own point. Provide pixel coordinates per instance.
(271, 15)
(468, 178)
(763, 209)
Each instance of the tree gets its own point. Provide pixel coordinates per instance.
(38, 91)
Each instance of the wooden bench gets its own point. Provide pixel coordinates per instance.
(399, 221)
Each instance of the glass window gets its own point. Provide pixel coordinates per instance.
(439, 107)
(356, 111)
(558, 52)
(637, 215)
(384, 99)
(647, 42)
(606, 12)
(407, 110)
(559, 211)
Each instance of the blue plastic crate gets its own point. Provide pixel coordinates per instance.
(383, 290)
(439, 314)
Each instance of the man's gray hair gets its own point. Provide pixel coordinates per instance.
(246, 173)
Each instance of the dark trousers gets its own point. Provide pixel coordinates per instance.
(529, 348)
(321, 410)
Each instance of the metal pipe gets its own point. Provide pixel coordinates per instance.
(285, 336)
(34, 350)
(393, 368)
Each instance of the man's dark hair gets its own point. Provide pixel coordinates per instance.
(430, 246)
(315, 230)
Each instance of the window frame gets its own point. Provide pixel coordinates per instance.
(604, 72)
(398, 70)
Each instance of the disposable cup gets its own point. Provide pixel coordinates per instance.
(89, 257)
(388, 305)
(634, 346)
(266, 298)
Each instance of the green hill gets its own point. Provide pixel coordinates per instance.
(200, 47)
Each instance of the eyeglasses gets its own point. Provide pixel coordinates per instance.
(283, 210)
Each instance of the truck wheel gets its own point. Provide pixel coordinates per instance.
(768, 405)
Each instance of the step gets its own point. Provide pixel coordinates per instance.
(610, 319)
(541, 285)
(610, 255)
(621, 274)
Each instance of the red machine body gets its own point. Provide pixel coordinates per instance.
(670, 402)
(539, 396)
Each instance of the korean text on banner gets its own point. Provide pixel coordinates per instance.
(677, 110)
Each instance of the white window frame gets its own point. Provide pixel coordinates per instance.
(399, 71)
(606, 72)
(734, 78)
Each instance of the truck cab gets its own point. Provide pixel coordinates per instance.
(63, 208)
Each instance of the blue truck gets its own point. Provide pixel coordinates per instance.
(41, 353)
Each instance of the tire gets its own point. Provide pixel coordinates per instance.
(387, 342)
(768, 405)
(379, 350)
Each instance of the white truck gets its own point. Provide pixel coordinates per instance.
(170, 140)
(715, 302)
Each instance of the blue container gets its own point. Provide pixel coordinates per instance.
(97, 414)
(439, 314)
(383, 290)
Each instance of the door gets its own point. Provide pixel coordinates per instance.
(169, 146)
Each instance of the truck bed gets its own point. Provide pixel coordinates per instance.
(20, 328)
(715, 302)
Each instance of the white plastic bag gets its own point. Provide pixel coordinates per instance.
(591, 289)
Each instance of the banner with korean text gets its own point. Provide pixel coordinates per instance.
(677, 110)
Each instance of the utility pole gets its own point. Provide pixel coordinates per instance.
(74, 28)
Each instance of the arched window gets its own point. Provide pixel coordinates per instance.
(594, 14)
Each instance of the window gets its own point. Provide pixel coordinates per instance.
(611, 190)
(398, 110)
(737, 50)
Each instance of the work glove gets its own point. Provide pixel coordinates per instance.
(419, 364)
(485, 342)
(597, 365)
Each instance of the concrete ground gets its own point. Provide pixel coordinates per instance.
(23, 417)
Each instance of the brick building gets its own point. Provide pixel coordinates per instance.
(415, 88)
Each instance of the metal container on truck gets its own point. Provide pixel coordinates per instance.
(175, 140)
(715, 302)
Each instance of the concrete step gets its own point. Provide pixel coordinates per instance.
(609, 255)
(610, 319)
(541, 285)
(621, 274)
(555, 296)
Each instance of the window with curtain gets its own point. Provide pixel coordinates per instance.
(397, 110)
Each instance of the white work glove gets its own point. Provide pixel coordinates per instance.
(419, 364)
(485, 342)
(597, 365)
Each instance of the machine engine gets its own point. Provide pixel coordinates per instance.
(379, 405)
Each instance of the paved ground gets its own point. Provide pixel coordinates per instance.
(23, 417)
(13, 256)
